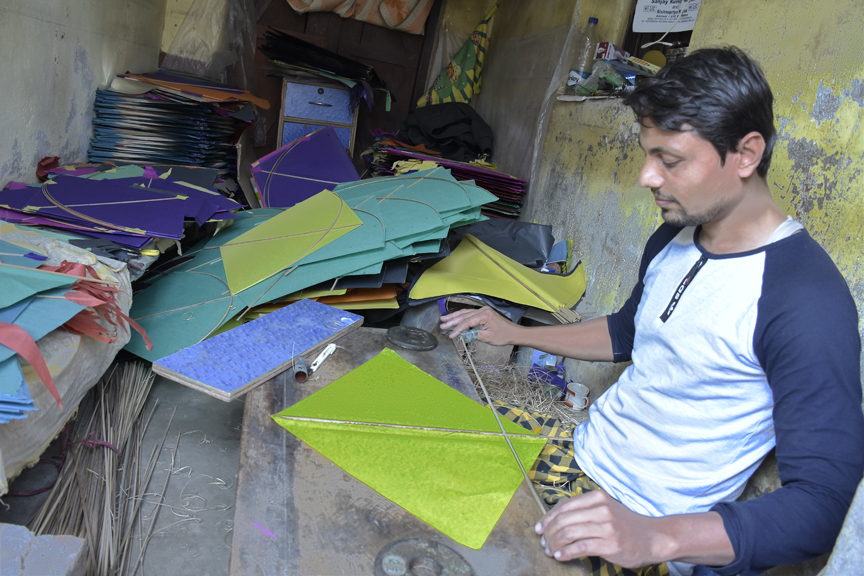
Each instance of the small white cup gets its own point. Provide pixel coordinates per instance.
(577, 396)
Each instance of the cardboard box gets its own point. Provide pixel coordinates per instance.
(609, 51)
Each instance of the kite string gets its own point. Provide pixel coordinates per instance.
(77, 214)
(552, 308)
(528, 481)
(288, 271)
(425, 428)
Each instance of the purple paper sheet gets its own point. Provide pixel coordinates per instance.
(302, 169)
(128, 240)
(110, 201)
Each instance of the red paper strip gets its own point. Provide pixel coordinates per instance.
(15, 337)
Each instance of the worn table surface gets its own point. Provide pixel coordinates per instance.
(297, 513)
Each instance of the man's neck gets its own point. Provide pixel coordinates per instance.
(748, 225)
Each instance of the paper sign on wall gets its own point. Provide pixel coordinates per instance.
(660, 15)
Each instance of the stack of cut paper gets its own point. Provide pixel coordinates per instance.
(357, 230)
(169, 118)
(31, 300)
(127, 205)
(510, 191)
(475, 268)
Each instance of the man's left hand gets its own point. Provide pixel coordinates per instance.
(595, 524)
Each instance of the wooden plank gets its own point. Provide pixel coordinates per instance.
(297, 513)
(232, 363)
(432, 24)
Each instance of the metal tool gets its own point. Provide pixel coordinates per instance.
(420, 557)
(412, 338)
(321, 357)
(301, 370)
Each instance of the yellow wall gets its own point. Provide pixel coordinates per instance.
(812, 56)
(586, 185)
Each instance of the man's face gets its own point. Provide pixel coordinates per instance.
(684, 172)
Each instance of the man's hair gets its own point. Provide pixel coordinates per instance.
(718, 92)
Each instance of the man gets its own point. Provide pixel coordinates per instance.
(742, 334)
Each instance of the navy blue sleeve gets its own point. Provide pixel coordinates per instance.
(622, 324)
(807, 342)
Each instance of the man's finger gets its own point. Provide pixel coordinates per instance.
(581, 502)
(579, 549)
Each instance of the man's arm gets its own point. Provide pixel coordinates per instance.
(595, 524)
(583, 341)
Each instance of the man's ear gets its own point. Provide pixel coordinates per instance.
(750, 151)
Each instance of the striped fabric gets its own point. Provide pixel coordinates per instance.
(557, 476)
(462, 77)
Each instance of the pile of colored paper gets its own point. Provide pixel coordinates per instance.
(169, 118)
(127, 205)
(510, 191)
(295, 58)
(269, 255)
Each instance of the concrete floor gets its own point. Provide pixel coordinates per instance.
(193, 528)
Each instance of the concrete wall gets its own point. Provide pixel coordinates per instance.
(586, 183)
(528, 59)
(55, 55)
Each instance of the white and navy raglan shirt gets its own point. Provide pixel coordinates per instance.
(731, 354)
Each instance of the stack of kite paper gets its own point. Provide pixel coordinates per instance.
(268, 254)
(31, 300)
(509, 189)
(127, 205)
(294, 57)
(301, 169)
(475, 268)
(170, 119)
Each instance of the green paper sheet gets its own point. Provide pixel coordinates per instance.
(459, 483)
(283, 240)
(474, 267)
(21, 283)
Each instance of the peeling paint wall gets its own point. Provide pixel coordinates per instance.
(55, 55)
(529, 57)
(812, 56)
(586, 185)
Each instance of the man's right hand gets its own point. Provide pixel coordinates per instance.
(491, 327)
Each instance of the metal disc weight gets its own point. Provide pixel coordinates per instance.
(412, 338)
(420, 557)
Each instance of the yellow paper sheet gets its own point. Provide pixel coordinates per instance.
(281, 241)
(458, 482)
(476, 268)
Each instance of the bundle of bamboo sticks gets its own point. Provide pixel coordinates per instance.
(99, 491)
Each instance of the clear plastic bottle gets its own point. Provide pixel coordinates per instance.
(584, 57)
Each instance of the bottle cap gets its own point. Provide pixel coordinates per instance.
(592, 20)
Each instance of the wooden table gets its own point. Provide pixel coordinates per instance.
(296, 513)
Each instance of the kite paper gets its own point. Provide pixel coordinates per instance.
(281, 241)
(475, 268)
(303, 168)
(430, 473)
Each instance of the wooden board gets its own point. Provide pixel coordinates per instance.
(234, 362)
(297, 513)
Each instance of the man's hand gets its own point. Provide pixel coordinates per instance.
(492, 328)
(595, 524)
